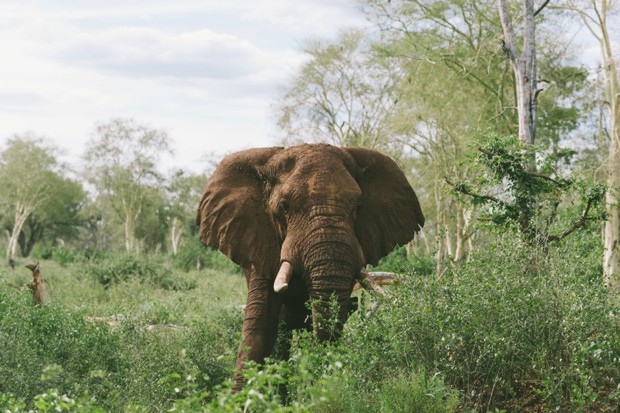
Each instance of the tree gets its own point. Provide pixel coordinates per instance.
(183, 191)
(596, 15)
(152, 226)
(58, 219)
(121, 158)
(454, 81)
(343, 95)
(28, 170)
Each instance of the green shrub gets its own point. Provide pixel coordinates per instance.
(192, 249)
(33, 338)
(62, 255)
(514, 328)
(398, 261)
(500, 334)
(117, 268)
(50, 356)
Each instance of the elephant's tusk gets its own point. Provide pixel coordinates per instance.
(284, 276)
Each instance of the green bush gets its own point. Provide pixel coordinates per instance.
(398, 261)
(514, 328)
(117, 268)
(33, 338)
(62, 255)
(53, 358)
(192, 249)
(501, 335)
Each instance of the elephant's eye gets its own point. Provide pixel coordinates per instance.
(283, 207)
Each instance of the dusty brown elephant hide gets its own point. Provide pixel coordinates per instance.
(303, 222)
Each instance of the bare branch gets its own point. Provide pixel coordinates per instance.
(542, 6)
(576, 225)
(473, 194)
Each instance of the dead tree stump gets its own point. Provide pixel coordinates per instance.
(39, 294)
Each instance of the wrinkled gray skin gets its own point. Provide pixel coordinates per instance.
(312, 215)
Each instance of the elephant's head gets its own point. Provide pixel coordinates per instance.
(309, 217)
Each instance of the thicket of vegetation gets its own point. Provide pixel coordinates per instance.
(508, 300)
(488, 334)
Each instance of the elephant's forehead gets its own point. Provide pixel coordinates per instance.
(315, 170)
(325, 179)
(329, 181)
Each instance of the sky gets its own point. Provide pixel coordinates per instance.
(206, 71)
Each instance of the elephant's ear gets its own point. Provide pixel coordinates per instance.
(390, 213)
(232, 214)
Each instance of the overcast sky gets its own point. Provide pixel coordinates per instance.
(207, 71)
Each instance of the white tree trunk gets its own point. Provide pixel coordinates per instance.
(176, 232)
(594, 16)
(129, 234)
(439, 237)
(22, 212)
(524, 67)
(611, 262)
(461, 230)
(130, 219)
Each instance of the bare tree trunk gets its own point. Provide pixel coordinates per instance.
(130, 225)
(524, 67)
(461, 229)
(22, 212)
(611, 262)
(441, 245)
(129, 234)
(448, 239)
(176, 231)
(595, 19)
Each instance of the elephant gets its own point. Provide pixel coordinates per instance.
(304, 222)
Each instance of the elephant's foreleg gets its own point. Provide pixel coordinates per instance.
(260, 323)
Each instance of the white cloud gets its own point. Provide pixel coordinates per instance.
(146, 52)
(205, 70)
(306, 18)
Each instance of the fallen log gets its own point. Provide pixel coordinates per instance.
(377, 278)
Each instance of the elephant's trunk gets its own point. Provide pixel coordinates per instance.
(331, 267)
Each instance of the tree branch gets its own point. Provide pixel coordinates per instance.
(578, 224)
(473, 194)
(532, 174)
(542, 6)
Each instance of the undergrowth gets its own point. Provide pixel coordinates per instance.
(491, 334)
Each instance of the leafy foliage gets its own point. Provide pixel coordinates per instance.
(500, 338)
(62, 255)
(398, 261)
(52, 355)
(123, 267)
(520, 189)
(480, 337)
(192, 250)
(122, 158)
